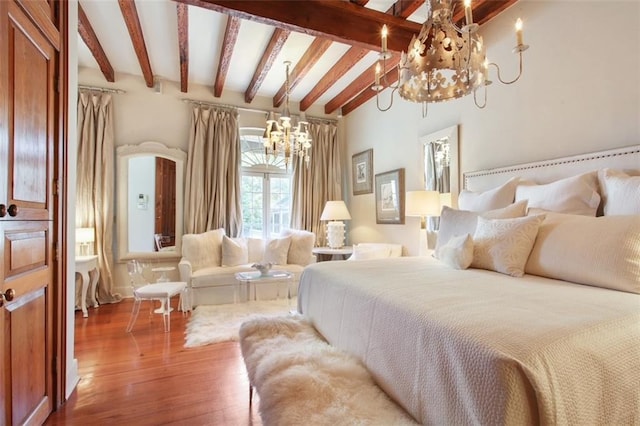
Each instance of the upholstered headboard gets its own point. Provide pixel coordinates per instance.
(627, 159)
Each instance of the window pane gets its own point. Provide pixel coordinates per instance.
(252, 205)
(280, 204)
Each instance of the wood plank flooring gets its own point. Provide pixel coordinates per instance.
(147, 377)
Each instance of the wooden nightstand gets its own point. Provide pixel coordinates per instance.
(328, 253)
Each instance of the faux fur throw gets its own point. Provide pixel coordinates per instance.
(301, 379)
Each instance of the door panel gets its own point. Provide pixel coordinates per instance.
(27, 138)
(30, 102)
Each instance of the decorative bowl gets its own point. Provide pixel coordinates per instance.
(264, 268)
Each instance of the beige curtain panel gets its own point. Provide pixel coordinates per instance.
(320, 182)
(212, 188)
(95, 178)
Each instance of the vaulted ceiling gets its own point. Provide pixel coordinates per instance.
(240, 45)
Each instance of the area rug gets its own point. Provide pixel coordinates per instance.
(302, 380)
(219, 323)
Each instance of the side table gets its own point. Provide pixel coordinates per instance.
(328, 253)
(85, 265)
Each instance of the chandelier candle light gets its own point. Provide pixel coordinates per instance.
(283, 138)
(444, 61)
(335, 212)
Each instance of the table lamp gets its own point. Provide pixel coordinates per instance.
(85, 238)
(422, 204)
(335, 212)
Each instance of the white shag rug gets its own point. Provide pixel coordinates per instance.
(302, 380)
(219, 323)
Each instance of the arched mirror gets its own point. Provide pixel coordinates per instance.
(150, 178)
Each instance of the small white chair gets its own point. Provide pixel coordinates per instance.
(163, 291)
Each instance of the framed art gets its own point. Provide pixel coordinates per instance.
(390, 197)
(362, 172)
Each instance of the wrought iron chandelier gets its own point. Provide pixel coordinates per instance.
(443, 62)
(283, 137)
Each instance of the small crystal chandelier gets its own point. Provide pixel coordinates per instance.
(444, 61)
(282, 137)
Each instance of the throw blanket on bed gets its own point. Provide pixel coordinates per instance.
(478, 347)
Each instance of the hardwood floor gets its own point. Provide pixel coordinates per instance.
(147, 377)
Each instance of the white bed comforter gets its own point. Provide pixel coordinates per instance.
(478, 347)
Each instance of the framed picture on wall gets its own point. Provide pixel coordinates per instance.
(362, 172)
(390, 197)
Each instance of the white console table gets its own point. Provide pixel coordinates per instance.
(85, 265)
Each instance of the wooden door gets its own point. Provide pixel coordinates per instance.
(165, 208)
(28, 54)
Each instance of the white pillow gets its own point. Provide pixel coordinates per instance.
(599, 251)
(234, 251)
(203, 250)
(300, 250)
(277, 250)
(575, 195)
(458, 252)
(461, 222)
(503, 245)
(620, 192)
(395, 250)
(495, 198)
(367, 252)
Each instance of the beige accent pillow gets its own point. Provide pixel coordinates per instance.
(234, 251)
(620, 192)
(300, 250)
(495, 198)
(575, 195)
(203, 250)
(461, 222)
(458, 252)
(599, 251)
(277, 250)
(503, 245)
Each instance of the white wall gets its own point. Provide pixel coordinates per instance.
(72, 377)
(579, 93)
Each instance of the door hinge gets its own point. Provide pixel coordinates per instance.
(55, 252)
(56, 188)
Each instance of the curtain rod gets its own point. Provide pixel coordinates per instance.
(100, 89)
(260, 111)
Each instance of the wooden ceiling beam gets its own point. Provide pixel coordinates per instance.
(391, 77)
(401, 8)
(344, 64)
(360, 84)
(340, 21)
(91, 40)
(228, 43)
(270, 54)
(308, 60)
(183, 45)
(130, 15)
(483, 11)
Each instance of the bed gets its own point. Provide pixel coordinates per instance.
(475, 346)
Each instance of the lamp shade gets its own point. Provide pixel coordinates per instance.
(422, 203)
(85, 235)
(335, 210)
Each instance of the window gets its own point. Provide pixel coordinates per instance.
(265, 188)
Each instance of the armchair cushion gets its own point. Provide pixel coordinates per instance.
(301, 246)
(203, 249)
